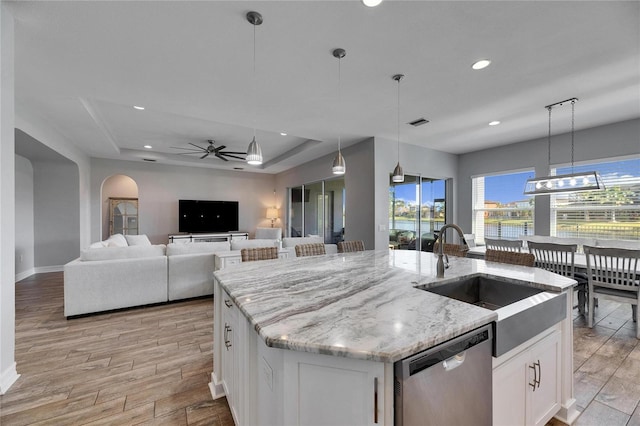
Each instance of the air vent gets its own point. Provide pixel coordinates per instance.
(238, 168)
(418, 122)
(149, 160)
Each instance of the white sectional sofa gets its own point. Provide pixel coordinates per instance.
(108, 277)
(102, 279)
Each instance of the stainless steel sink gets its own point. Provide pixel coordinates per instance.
(523, 311)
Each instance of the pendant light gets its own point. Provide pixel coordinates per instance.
(254, 152)
(571, 182)
(339, 167)
(398, 173)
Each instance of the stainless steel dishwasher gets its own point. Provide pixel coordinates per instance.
(449, 384)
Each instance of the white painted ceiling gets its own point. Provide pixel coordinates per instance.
(82, 65)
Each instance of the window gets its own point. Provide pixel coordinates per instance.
(500, 210)
(610, 214)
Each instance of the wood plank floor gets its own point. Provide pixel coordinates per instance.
(152, 365)
(147, 365)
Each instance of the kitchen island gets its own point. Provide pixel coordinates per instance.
(290, 335)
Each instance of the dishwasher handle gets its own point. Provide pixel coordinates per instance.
(454, 362)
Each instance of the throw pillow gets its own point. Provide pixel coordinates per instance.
(137, 240)
(117, 240)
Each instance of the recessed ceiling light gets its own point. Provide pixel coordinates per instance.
(371, 3)
(482, 63)
(494, 123)
(138, 107)
(283, 134)
(148, 146)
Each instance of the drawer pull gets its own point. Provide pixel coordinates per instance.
(535, 377)
(228, 303)
(375, 400)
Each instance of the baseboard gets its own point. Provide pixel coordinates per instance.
(8, 378)
(216, 389)
(44, 269)
(25, 274)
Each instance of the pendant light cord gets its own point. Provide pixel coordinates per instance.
(549, 141)
(573, 109)
(339, 97)
(255, 109)
(399, 120)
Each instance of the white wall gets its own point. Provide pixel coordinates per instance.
(56, 216)
(359, 208)
(610, 141)
(8, 372)
(160, 187)
(24, 251)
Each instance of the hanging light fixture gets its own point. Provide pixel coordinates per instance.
(571, 182)
(254, 152)
(398, 173)
(339, 167)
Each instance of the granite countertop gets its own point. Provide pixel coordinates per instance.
(364, 305)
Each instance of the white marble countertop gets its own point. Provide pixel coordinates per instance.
(364, 305)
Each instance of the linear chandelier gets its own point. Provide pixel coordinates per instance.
(570, 182)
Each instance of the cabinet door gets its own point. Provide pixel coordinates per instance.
(545, 399)
(228, 347)
(510, 382)
(329, 390)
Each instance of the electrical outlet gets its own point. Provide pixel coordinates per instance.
(382, 228)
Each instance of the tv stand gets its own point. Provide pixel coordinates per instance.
(214, 236)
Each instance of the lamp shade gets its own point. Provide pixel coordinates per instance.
(272, 213)
(254, 153)
(398, 174)
(339, 166)
(574, 182)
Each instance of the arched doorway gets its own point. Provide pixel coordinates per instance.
(119, 204)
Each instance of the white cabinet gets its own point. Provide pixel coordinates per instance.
(526, 385)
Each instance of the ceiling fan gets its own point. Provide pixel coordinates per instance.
(211, 149)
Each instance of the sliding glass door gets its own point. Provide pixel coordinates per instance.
(317, 209)
(417, 210)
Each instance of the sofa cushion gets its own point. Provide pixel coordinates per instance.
(191, 248)
(110, 253)
(240, 244)
(99, 244)
(117, 240)
(291, 242)
(137, 240)
(268, 234)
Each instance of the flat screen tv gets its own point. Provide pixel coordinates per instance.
(200, 216)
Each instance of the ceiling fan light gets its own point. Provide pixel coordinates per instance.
(398, 174)
(254, 153)
(339, 167)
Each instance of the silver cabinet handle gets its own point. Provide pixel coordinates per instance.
(535, 377)
(375, 400)
(228, 303)
(539, 373)
(227, 340)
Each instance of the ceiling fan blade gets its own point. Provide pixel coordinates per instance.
(233, 152)
(204, 156)
(220, 148)
(220, 156)
(204, 149)
(234, 156)
(188, 153)
(187, 149)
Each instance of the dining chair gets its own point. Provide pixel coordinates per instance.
(504, 245)
(313, 249)
(510, 257)
(350, 246)
(559, 259)
(258, 253)
(613, 274)
(470, 239)
(451, 249)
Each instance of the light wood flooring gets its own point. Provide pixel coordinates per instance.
(147, 365)
(152, 365)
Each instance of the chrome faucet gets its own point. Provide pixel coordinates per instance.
(442, 237)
